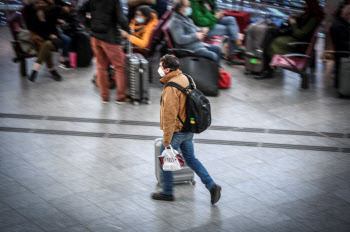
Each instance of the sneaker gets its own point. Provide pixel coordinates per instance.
(55, 75)
(105, 101)
(162, 197)
(239, 49)
(123, 101)
(215, 194)
(234, 60)
(65, 65)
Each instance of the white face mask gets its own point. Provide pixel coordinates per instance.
(188, 11)
(161, 72)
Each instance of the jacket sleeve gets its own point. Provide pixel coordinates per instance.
(202, 16)
(123, 22)
(304, 30)
(178, 33)
(83, 10)
(171, 110)
(144, 40)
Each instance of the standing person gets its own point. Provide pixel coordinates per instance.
(41, 19)
(340, 32)
(205, 14)
(106, 16)
(173, 106)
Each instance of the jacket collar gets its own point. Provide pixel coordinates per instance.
(169, 76)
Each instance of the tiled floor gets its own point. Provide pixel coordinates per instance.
(279, 168)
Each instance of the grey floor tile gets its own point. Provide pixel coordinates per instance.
(289, 226)
(267, 216)
(108, 224)
(23, 227)
(10, 218)
(88, 213)
(55, 222)
(21, 200)
(344, 194)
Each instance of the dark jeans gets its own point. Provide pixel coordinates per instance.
(66, 45)
(184, 141)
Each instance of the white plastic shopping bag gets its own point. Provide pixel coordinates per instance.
(171, 160)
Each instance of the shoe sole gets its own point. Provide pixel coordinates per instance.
(64, 67)
(157, 199)
(217, 197)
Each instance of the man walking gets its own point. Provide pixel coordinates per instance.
(173, 107)
(106, 16)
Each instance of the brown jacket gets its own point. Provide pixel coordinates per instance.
(173, 104)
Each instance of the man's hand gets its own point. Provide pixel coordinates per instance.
(61, 21)
(205, 30)
(292, 20)
(200, 35)
(220, 14)
(52, 36)
(125, 35)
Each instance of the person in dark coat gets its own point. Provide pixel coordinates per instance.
(106, 17)
(41, 18)
(340, 33)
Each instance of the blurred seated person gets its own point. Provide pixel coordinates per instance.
(160, 7)
(143, 25)
(187, 35)
(340, 33)
(70, 24)
(41, 18)
(301, 30)
(133, 4)
(341, 5)
(204, 14)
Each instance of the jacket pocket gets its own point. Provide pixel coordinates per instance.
(99, 26)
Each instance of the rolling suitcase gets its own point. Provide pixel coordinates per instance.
(186, 174)
(205, 73)
(258, 37)
(344, 78)
(137, 72)
(82, 46)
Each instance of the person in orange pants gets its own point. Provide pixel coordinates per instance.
(105, 43)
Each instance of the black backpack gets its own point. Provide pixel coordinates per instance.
(198, 114)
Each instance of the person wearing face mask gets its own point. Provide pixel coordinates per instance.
(187, 35)
(205, 14)
(143, 25)
(302, 29)
(173, 108)
(340, 33)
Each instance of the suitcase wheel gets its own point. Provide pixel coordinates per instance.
(135, 103)
(193, 182)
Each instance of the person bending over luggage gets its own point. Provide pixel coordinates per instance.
(106, 17)
(173, 108)
(187, 35)
(302, 29)
(69, 25)
(143, 24)
(340, 32)
(204, 14)
(41, 18)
